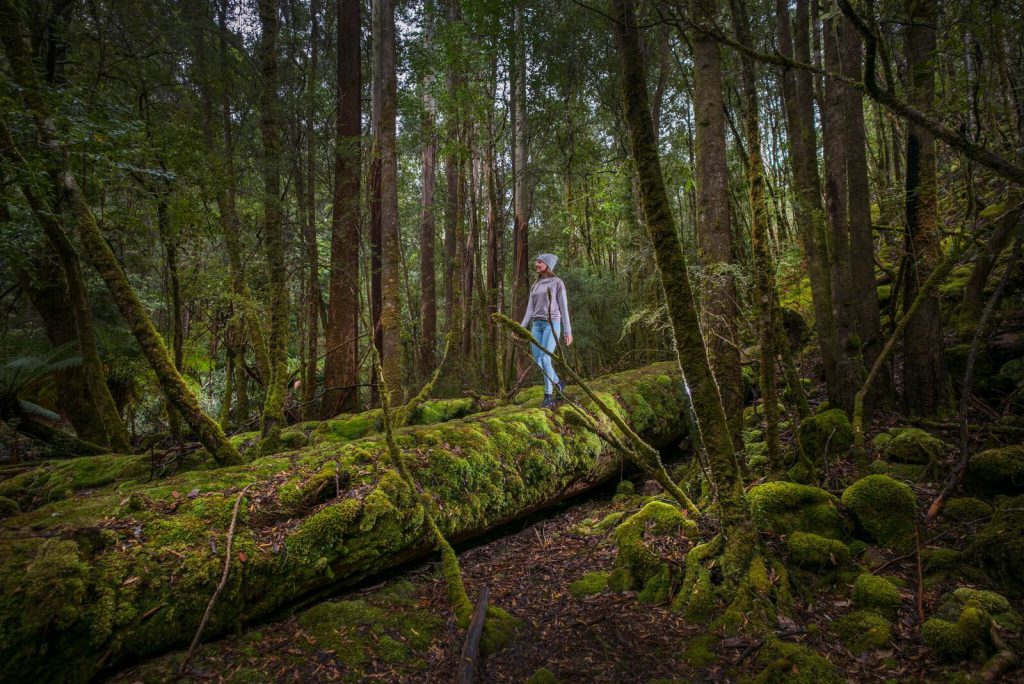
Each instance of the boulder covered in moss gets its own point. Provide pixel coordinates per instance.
(961, 627)
(786, 507)
(998, 548)
(910, 445)
(831, 429)
(883, 509)
(877, 594)
(8, 507)
(789, 663)
(128, 571)
(813, 552)
(996, 471)
(640, 539)
(966, 509)
(863, 630)
(589, 584)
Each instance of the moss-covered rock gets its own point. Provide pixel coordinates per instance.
(813, 552)
(863, 630)
(591, 583)
(910, 445)
(998, 548)
(883, 508)
(786, 507)
(147, 555)
(8, 507)
(966, 509)
(542, 675)
(830, 428)
(639, 557)
(966, 636)
(788, 663)
(877, 594)
(996, 471)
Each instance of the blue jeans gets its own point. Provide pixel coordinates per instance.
(542, 331)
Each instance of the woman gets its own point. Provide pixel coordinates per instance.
(547, 317)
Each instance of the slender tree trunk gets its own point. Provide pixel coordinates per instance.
(428, 288)
(174, 285)
(520, 178)
(987, 258)
(309, 408)
(833, 126)
(341, 366)
(924, 373)
(273, 224)
(386, 101)
(798, 97)
(493, 245)
(720, 302)
(690, 350)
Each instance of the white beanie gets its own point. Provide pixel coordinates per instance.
(549, 259)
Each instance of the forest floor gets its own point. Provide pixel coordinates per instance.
(402, 630)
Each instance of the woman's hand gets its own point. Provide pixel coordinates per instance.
(568, 340)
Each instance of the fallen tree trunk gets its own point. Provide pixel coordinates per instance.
(126, 572)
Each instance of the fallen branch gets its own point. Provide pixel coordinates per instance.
(220, 586)
(471, 649)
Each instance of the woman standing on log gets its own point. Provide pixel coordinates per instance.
(547, 317)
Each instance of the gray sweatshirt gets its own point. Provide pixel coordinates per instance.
(544, 290)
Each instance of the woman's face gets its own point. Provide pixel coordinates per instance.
(540, 266)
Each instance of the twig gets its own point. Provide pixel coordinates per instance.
(471, 649)
(920, 574)
(220, 586)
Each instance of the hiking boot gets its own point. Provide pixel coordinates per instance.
(549, 401)
(561, 386)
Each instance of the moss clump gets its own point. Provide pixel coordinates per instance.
(643, 566)
(863, 630)
(542, 676)
(998, 548)
(910, 445)
(996, 471)
(992, 603)
(591, 583)
(883, 508)
(965, 637)
(940, 564)
(786, 663)
(874, 593)
(786, 507)
(699, 653)
(817, 553)
(830, 427)
(626, 487)
(8, 507)
(966, 509)
(293, 439)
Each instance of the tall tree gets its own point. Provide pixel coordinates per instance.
(520, 162)
(924, 373)
(428, 289)
(273, 223)
(308, 199)
(720, 302)
(341, 367)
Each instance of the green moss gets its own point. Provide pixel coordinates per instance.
(8, 507)
(542, 675)
(910, 445)
(786, 507)
(648, 571)
(940, 561)
(591, 583)
(996, 471)
(879, 467)
(874, 593)
(966, 509)
(625, 487)
(998, 548)
(293, 439)
(699, 651)
(817, 553)
(788, 663)
(966, 637)
(831, 427)
(499, 628)
(883, 509)
(863, 630)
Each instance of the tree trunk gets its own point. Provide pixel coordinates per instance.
(174, 286)
(428, 290)
(520, 180)
(341, 367)
(720, 302)
(924, 372)
(386, 101)
(691, 354)
(797, 93)
(273, 224)
(764, 266)
(309, 408)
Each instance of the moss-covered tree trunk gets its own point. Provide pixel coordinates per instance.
(130, 575)
(691, 353)
(273, 223)
(720, 301)
(764, 266)
(426, 355)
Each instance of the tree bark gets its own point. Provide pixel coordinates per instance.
(341, 366)
(312, 309)
(924, 372)
(520, 179)
(720, 302)
(428, 289)
(691, 353)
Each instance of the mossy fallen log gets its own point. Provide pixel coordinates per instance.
(125, 572)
